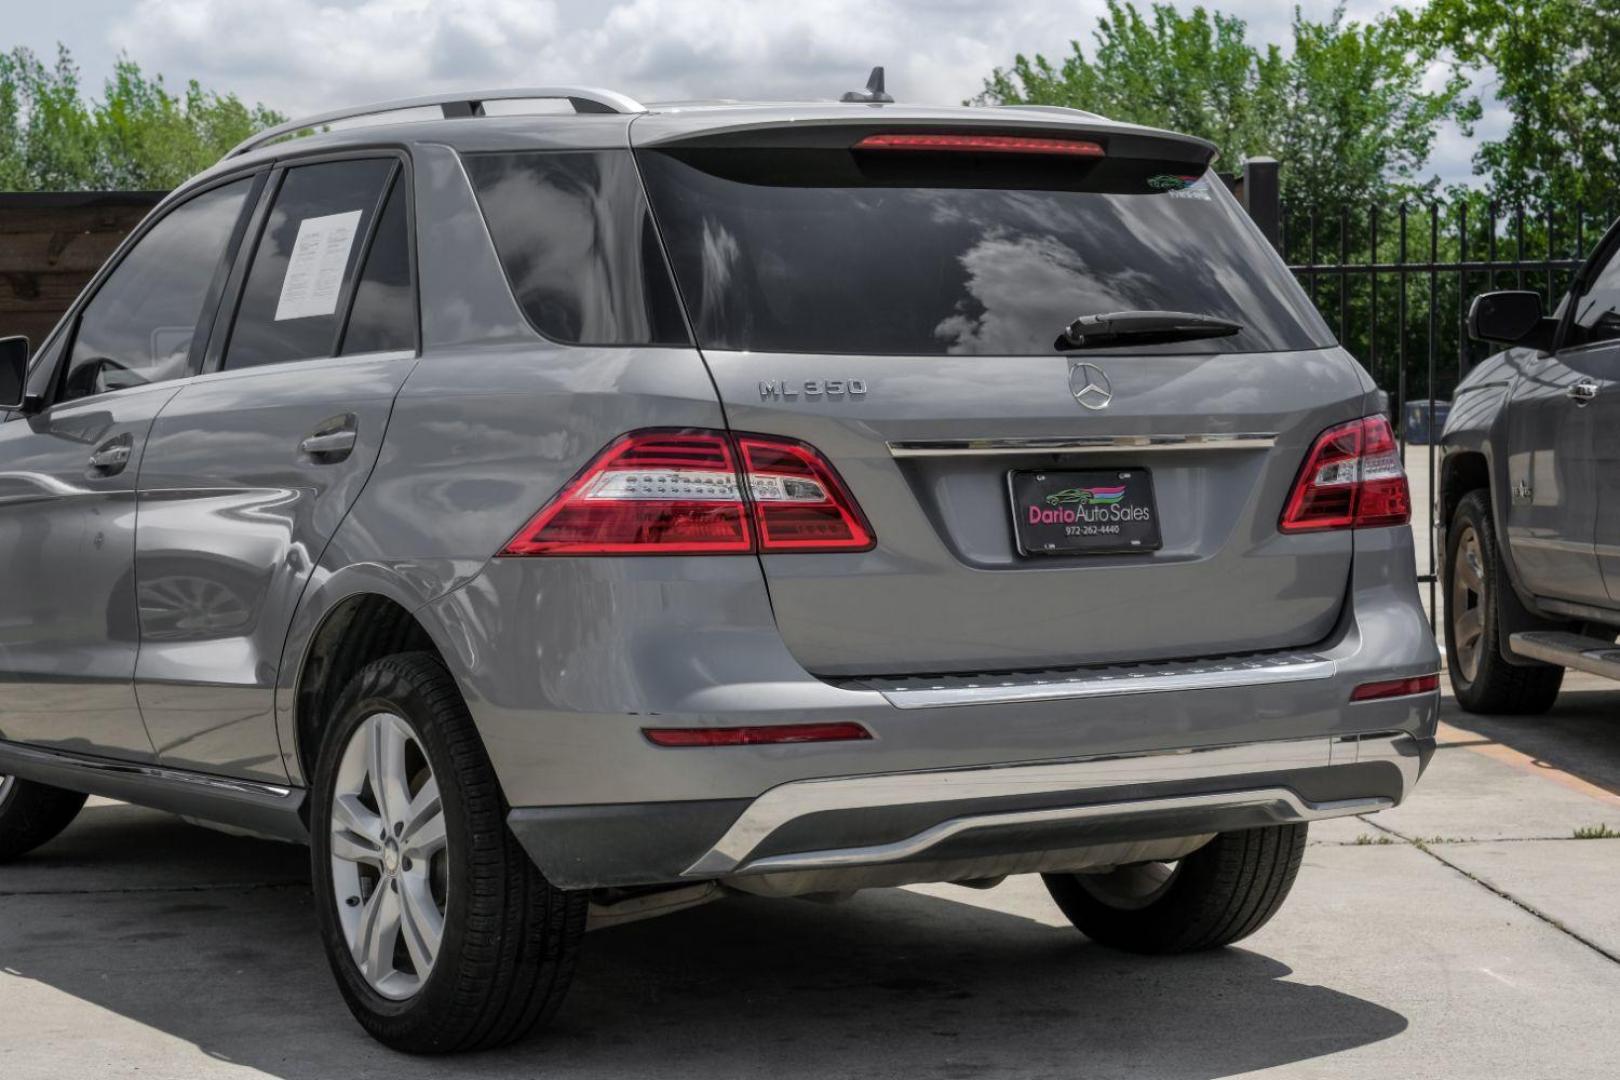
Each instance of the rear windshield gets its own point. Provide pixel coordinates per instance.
(840, 251)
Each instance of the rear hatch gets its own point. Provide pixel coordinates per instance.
(900, 307)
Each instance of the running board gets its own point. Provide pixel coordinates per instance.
(267, 809)
(1589, 654)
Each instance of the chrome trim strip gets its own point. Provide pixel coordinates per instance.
(1104, 682)
(1285, 806)
(67, 759)
(1088, 778)
(1068, 444)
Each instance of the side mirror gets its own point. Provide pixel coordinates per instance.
(1511, 318)
(13, 372)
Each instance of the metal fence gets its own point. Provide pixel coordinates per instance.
(1396, 283)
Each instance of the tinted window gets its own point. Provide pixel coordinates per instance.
(292, 302)
(139, 326)
(1597, 313)
(831, 250)
(577, 242)
(384, 312)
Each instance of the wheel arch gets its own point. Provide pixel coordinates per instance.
(350, 619)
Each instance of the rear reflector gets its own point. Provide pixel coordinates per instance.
(756, 736)
(698, 493)
(993, 144)
(1374, 691)
(1352, 479)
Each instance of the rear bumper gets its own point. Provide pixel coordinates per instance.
(564, 662)
(953, 823)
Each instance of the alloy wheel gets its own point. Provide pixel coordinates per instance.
(5, 787)
(389, 856)
(1468, 603)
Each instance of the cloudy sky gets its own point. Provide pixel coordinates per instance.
(302, 56)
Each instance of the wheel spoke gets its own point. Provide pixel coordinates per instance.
(1470, 625)
(356, 831)
(424, 823)
(1468, 568)
(386, 767)
(379, 933)
(420, 922)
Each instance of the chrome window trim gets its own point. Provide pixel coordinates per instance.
(1069, 444)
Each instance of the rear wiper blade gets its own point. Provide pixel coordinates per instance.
(1142, 328)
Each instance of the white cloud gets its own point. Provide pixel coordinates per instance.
(305, 56)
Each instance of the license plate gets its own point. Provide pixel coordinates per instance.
(1084, 513)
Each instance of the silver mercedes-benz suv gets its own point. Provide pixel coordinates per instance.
(556, 511)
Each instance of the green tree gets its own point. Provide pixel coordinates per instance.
(1555, 65)
(137, 136)
(1193, 73)
(1345, 110)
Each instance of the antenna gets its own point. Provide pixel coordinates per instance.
(873, 94)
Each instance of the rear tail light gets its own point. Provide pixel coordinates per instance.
(1389, 688)
(1352, 479)
(799, 502)
(759, 735)
(698, 493)
(979, 144)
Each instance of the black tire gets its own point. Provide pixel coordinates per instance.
(1482, 681)
(1221, 893)
(510, 939)
(32, 814)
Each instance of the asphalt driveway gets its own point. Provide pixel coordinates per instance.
(1466, 934)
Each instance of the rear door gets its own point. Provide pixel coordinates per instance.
(1591, 356)
(901, 311)
(250, 469)
(68, 628)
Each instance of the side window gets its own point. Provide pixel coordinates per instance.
(1597, 311)
(305, 259)
(383, 317)
(139, 326)
(576, 240)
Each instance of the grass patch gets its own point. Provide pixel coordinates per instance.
(1368, 840)
(1596, 832)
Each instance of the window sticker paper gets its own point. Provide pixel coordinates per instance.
(315, 269)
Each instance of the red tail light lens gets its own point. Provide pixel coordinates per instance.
(799, 503)
(1377, 691)
(979, 144)
(697, 493)
(647, 493)
(1352, 479)
(759, 735)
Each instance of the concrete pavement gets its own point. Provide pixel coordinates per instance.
(1466, 934)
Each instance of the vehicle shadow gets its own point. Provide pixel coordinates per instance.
(1580, 735)
(209, 940)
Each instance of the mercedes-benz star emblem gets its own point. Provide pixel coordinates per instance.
(1091, 387)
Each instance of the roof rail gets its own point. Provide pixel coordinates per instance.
(585, 99)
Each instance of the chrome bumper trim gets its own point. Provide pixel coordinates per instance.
(1088, 779)
(1283, 806)
(1073, 444)
(912, 693)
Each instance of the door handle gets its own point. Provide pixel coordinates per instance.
(333, 441)
(1584, 391)
(111, 458)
